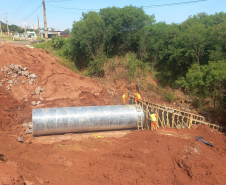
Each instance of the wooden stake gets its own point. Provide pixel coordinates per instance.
(146, 120)
(173, 121)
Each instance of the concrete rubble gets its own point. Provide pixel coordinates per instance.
(13, 75)
(33, 103)
(25, 125)
(38, 102)
(28, 131)
(30, 125)
(20, 139)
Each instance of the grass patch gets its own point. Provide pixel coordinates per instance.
(151, 87)
(44, 45)
(169, 96)
(6, 37)
(57, 53)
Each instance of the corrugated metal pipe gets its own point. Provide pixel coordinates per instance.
(83, 119)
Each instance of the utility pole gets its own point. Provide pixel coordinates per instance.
(7, 23)
(38, 26)
(45, 22)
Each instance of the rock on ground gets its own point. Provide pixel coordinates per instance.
(28, 131)
(24, 125)
(20, 139)
(33, 103)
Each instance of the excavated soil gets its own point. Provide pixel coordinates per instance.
(140, 157)
(63, 88)
(168, 156)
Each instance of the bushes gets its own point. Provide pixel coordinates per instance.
(169, 96)
(207, 81)
(67, 49)
(57, 42)
(134, 66)
(96, 65)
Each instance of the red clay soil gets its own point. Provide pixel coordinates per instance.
(63, 87)
(167, 156)
(142, 157)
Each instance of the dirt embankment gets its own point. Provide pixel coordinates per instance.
(62, 86)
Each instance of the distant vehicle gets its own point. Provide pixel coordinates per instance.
(30, 34)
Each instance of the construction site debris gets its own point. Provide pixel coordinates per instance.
(37, 91)
(25, 73)
(25, 125)
(201, 139)
(31, 81)
(28, 131)
(20, 139)
(98, 136)
(33, 103)
(39, 102)
(10, 82)
(15, 71)
(33, 76)
(12, 66)
(40, 88)
(8, 88)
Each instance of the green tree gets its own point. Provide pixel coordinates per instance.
(67, 30)
(206, 81)
(122, 25)
(88, 40)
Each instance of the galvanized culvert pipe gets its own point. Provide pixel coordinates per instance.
(84, 119)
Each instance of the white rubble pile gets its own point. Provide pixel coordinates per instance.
(15, 72)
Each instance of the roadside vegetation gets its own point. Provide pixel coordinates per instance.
(190, 55)
(13, 28)
(57, 53)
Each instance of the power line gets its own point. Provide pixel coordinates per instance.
(151, 6)
(59, 1)
(28, 16)
(172, 4)
(25, 5)
(19, 6)
(64, 12)
(71, 8)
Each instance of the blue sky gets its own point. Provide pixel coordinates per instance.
(59, 18)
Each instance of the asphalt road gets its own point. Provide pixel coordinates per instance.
(15, 42)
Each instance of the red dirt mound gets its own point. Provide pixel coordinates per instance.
(62, 87)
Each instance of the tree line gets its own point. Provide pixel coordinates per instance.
(190, 55)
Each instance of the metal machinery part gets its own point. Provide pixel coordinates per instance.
(84, 119)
